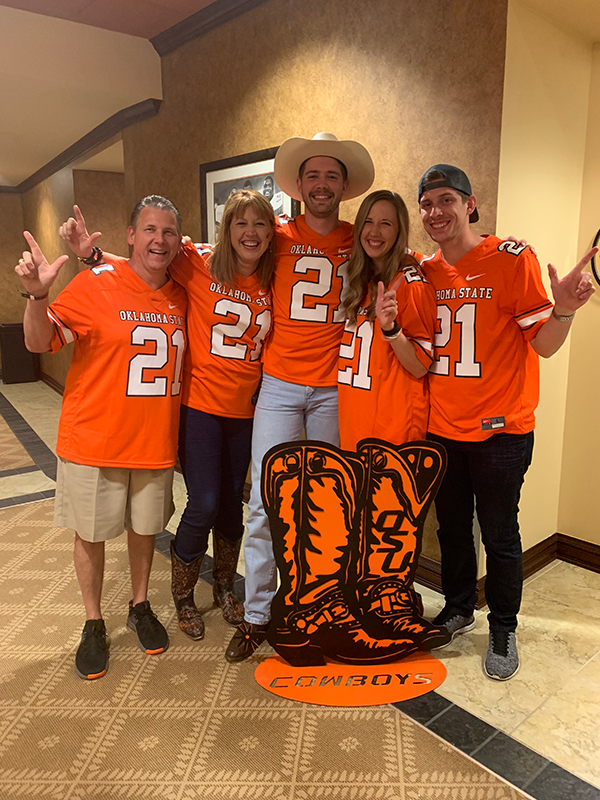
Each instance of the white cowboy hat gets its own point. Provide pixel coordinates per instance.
(353, 155)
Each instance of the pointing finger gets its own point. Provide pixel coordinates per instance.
(34, 246)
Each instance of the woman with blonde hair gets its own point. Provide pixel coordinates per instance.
(229, 315)
(387, 347)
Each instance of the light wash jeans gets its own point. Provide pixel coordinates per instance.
(283, 411)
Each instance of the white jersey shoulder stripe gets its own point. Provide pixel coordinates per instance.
(526, 322)
(67, 334)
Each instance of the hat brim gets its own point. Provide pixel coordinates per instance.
(295, 151)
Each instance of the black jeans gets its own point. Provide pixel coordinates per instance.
(491, 474)
(215, 454)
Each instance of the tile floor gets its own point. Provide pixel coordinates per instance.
(535, 730)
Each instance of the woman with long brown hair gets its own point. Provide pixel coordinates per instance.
(388, 342)
(229, 315)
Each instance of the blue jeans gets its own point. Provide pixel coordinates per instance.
(490, 473)
(214, 453)
(283, 411)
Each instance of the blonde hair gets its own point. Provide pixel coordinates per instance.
(223, 264)
(362, 278)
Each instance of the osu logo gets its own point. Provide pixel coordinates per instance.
(347, 530)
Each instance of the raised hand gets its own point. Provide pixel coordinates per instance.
(386, 307)
(36, 274)
(75, 234)
(575, 289)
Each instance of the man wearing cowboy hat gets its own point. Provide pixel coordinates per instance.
(299, 388)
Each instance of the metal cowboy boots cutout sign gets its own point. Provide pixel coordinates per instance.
(347, 530)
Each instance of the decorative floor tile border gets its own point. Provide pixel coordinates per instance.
(506, 757)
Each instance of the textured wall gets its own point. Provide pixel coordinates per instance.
(47, 205)
(417, 83)
(44, 208)
(11, 227)
(101, 197)
(11, 247)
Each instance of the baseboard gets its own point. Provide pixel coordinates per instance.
(575, 551)
(52, 382)
(558, 546)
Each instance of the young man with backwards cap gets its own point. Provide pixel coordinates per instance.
(299, 387)
(494, 319)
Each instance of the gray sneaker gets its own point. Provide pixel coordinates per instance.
(454, 622)
(502, 659)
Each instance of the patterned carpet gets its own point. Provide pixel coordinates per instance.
(185, 724)
(12, 453)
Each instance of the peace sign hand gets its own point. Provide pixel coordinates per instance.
(575, 289)
(75, 234)
(36, 274)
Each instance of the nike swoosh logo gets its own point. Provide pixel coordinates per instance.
(170, 306)
(472, 277)
(344, 250)
(262, 292)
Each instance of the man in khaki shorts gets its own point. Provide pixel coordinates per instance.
(118, 428)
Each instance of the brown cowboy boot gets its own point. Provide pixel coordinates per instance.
(225, 561)
(309, 491)
(183, 580)
(400, 484)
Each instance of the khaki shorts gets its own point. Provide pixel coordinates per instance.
(101, 502)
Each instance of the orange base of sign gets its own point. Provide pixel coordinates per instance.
(338, 684)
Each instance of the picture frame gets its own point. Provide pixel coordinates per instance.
(218, 179)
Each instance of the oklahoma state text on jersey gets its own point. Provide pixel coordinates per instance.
(377, 396)
(485, 377)
(122, 393)
(226, 328)
(307, 321)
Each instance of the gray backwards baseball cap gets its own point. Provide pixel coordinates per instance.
(454, 178)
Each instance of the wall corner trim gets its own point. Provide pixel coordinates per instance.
(200, 23)
(557, 546)
(101, 133)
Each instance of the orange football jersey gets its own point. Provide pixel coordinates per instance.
(122, 393)
(307, 319)
(485, 376)
(226, 327)
(377, 396)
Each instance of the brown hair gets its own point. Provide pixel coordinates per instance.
(223, 264)
(362, 277)
(154, 201)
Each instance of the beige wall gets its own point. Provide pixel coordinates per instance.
(359, 70)
(541, 170)
(44, 208)
(578, 515)
(101, 197)
(12, 245)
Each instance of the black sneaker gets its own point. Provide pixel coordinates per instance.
(151, 635)
(91, 659)
(454, 621)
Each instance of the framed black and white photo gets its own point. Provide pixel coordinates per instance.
(219, 179)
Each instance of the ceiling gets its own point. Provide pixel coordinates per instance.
(145, 18)
(88, 59)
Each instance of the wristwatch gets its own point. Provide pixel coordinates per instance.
(563, 317)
